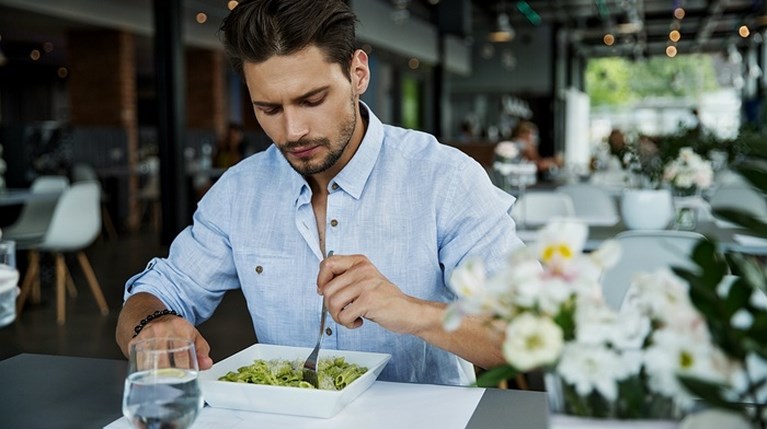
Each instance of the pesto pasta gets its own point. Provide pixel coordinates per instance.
(332, 373)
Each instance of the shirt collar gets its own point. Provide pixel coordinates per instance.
(355, 174)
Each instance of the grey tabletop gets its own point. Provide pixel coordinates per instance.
(44, 391)
(9, 197)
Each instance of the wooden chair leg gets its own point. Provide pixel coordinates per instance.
(29, 278)
(61, 304)
(93, 282)
(36, 295)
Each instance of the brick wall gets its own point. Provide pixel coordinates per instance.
(206, 90)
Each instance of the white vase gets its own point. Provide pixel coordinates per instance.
(647, 208)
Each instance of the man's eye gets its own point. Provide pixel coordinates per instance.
(314, 101)
(269, 110)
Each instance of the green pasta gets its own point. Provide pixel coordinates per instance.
(333, 373)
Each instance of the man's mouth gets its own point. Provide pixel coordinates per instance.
(303, 152)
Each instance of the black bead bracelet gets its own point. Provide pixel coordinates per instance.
(149, 318)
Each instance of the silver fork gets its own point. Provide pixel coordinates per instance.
(310, 365)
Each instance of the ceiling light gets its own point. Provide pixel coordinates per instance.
(674, 35)
(744, 31)
(679, 13)
(505, 32)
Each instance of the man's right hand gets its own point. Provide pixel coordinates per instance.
(137, 307)
(178, 327)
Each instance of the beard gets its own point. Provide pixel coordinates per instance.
(335, 149)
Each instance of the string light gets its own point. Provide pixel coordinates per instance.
(679, 13)
(609, 39)
(232, 4)
(671, 51)
(674, 35)
(201, 18)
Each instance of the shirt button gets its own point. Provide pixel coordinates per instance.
(334, 186)
(328, 331)
(259, 269)
(333, 222)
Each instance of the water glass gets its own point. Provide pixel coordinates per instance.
(161, 388)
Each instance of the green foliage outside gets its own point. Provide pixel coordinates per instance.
(620, 81)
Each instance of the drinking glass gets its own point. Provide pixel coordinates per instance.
(161, 388)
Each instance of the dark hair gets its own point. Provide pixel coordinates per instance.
(256, 30)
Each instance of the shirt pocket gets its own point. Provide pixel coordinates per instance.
(281, 294)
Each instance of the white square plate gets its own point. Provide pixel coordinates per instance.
(282, 399)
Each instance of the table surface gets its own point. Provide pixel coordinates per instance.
(724, 237)
(12, 196)
(45, 391)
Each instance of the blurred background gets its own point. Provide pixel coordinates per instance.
(140, 90)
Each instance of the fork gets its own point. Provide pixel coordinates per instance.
(310, 365)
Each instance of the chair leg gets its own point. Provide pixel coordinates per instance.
(93, 282)
(33, 269)
(36, 295)
(61, 304)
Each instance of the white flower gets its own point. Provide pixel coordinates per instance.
(674, 353)
(560, 241)
(506, 150)
(532, 342)
(468, 280)
(588, 368)
(688, 170)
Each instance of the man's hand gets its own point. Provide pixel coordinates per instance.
(354, 290)
(139, 306)
(174, 326)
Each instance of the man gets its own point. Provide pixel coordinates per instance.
(398, 210)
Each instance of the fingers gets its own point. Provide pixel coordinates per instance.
(335, 265)
(180, 328)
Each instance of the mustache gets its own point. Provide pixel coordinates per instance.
(306, 142)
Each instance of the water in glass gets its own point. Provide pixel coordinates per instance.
(161, 389)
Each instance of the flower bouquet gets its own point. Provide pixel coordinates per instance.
(597, 362)
(688, 172)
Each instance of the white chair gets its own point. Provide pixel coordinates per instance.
(75, 224)
(538, 208)
(82, 172)
(592, 204)
(646, 251)
(740, 197)
(36, 214)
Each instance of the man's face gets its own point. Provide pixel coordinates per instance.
(308, 107)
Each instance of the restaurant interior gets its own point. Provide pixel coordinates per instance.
(137, 97)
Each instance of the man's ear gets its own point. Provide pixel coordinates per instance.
(360, 71)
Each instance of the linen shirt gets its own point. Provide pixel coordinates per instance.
(416, 208)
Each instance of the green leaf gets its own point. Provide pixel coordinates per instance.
(492, 377)
(754, 173)
(749, 271)
(737, 297)
(753, 225)
(711, 393)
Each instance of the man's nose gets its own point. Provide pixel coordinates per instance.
(296, 125)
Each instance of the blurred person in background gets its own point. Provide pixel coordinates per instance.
(525, 136)
(230, 149)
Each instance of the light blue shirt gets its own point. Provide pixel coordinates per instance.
(416, 208)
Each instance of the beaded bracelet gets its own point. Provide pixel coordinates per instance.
(149, 318)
